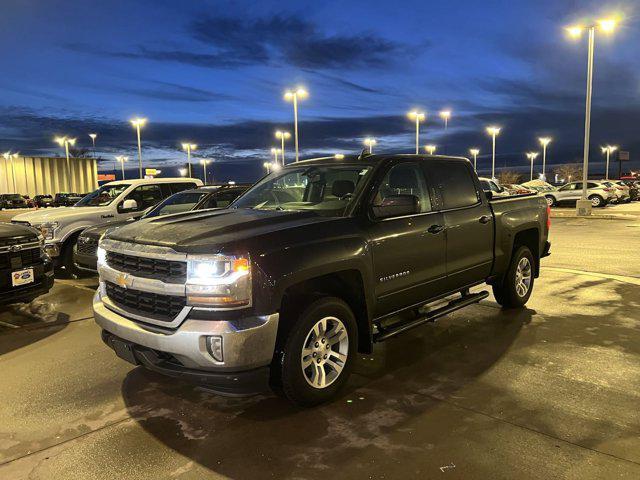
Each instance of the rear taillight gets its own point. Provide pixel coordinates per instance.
(548, 218)
(607, 189)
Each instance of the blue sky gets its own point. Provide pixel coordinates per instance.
(213, 72)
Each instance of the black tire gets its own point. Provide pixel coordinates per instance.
(551, 201)
(507, 293)
(597, 201)
(66, 257)
(294, 380)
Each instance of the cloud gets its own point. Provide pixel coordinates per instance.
(174, 92)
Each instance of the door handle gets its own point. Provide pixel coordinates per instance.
(435, 229)
(484, 219)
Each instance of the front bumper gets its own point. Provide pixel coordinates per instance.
(43, 282)
(247, 347)
(85, 262)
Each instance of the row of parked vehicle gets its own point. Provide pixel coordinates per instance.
(15, 200)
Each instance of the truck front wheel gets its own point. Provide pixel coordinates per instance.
(318, 352)
(516, 287)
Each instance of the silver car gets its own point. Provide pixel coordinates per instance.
(599, 193)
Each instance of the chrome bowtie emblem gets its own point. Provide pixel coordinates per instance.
(123, 280)
(15, 248)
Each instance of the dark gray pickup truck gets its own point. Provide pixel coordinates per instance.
(310, 266)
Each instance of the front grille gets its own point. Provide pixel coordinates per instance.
(165, 270)
(21, 259)
(160, 307)
(88, 246)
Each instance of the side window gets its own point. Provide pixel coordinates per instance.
(570, 186)
(146, 196)
(592, 185)
(178, 187)
(405, 179)
(222, 199)
(453, 183)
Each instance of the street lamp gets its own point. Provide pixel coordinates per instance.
(282, 136)
(609, 149)
(183, 172)
(544, 141)
(267, 165)
(93, 137)
(475, 152)
(418, 117)
(122, 159)
(188, 147)
(138, 123)
(532, 156)
(275, 151)
(494, 132)
(204, 170)
(12, 157)
(583, 206)
(293, 96)
(65, 142)
(370, 142)
(431, 149)
(445, 115)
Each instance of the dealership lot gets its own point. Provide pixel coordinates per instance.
(547, 392)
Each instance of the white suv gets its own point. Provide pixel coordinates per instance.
(597, 192)
(112, 202)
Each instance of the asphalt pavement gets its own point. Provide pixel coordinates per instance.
(550, 391)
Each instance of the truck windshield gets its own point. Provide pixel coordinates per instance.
(325, 189)
(103, 196)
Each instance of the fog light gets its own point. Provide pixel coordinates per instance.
(214, 347)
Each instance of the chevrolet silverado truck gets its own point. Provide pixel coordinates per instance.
(311, 266)
(111, 202)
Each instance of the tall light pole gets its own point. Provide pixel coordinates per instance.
(532, 156)
(138, 123)
(418, 117)
(475, 152)
(445, 115)
(293, 96)
(282, 136)
(267, 165)
(431, 149)
(609, 149)
(65, 142)
(189, 147)
(93, 137)
(204, 170)
(122, 159)
(370, 142)
(494, 132)
(12, 156)
(544, 141)
(583, 206)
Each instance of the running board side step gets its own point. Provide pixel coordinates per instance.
(464, 301)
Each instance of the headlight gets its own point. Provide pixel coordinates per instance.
(219, 281)
(102, 256)
(47, 229)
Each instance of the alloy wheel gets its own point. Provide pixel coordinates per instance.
(324, 352)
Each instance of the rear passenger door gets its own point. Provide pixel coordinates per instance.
(468, 221)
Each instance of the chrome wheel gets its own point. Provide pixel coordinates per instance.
(523, 277)
(324, 353)
(550, 201)
(595, 201)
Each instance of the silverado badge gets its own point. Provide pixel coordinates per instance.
(123, 280)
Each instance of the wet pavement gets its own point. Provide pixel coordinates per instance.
(550, 391)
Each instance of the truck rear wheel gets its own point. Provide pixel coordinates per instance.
(516, 287)
(318, 353)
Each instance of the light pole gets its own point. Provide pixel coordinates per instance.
(267, 165)
(204, 170)
(583, 206)
(93, 137)
(188, 147)
(122, 159)
(282, 136)
(445, 115)
(418, 117)
(609, 149)
(494, 132)
(293, 96)
(138, 123)
(370, 142)
(431, 149)
(475, 152)
(544, 141)
(532, 156)
(183, 172)
(12, 156)
(65, 142)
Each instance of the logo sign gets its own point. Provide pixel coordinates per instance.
(623, 156)
(15, 248)
(106, 177)
(124, 281)
(152, 171)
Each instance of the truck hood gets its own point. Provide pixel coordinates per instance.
(209, 230)
(59, 214)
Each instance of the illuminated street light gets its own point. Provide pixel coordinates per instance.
(583, 206)
(122, 159)
(189, 147)
(65, 142)
(267, 165)
(294, 96)
(445, 115)
(339, 156)
(12, 157)
(609, 149)
(494, 132)
(204, 170)
(418, 117)
(138, 123)
(532, 156)
(431, 149)
(282, 136)
(370, 142)
(183, 172)
(475, 152)
(544, 141)
(93, 137)
(275, 151)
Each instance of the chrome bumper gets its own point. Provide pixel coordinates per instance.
(247, 343)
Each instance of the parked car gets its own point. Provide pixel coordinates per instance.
(66, 199)
(111, 202)
(309, 268)
(25, 270)
(621, 190)
(213, 196)
(43, 201)
(539, 186)
(597, 192)
(12, 200)
(489, 185)
(29, 201)
(634, 188)
(516, 189)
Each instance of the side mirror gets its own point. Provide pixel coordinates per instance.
(489, 194)
(397, 206)
(129, 205)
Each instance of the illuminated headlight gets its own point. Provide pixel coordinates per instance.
(47, 229)
(219, 281)
(102, 256)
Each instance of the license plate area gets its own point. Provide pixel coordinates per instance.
(22, 277)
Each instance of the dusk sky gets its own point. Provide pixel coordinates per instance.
(214, 72)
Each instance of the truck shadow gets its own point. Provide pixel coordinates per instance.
(241, 437)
